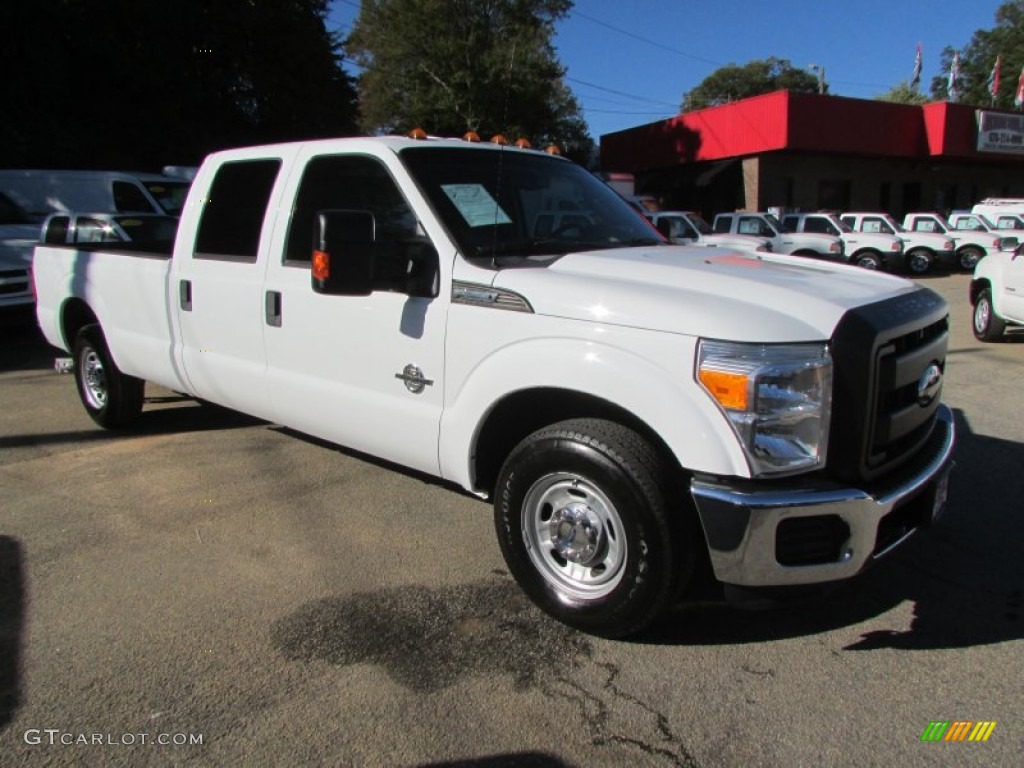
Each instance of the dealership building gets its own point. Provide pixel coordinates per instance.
(803, 151)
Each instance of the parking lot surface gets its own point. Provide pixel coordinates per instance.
(209, 589)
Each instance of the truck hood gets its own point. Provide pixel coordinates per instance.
(707, 292)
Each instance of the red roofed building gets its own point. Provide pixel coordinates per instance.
(808, 151)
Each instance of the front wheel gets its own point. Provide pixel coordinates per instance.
(919, 261)
(582, 517)
(868, 260)
(987, 325)
(969, 258)
(113, 399)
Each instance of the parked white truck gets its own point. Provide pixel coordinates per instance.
(921, 250)
(875, 250)
(631, 413)
(970, 247)
(767, 226)
(997, 292)
(688, 228)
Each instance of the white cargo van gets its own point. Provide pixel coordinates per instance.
(42, 192)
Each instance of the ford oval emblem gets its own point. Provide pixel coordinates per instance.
(929, 384)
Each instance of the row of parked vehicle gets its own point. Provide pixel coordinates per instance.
(43, 206)
(873, 240)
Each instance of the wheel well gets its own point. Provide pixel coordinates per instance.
(805, 252)
(977, 286)
(922, 249)
(522, 413)
(75, 315)
(970, 247)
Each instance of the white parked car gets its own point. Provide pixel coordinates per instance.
(997, 292)
(921, 250)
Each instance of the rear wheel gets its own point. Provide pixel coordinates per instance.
(110, 397)
(969, 258)
(582, 517)
(920, 260)
(987, 325)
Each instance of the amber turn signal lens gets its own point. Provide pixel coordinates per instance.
(729, 389)
(321, 265)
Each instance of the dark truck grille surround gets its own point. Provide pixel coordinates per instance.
(880, 352)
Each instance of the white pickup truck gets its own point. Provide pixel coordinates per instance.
(688, 228)
(921, 250)
(632, 413)
(767, 226)
(870, 250)
(997, 292)
(971, 247)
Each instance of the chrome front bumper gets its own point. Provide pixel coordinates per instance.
(848, 527)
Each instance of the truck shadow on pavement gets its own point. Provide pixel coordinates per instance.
(12, 621)
(964, 576)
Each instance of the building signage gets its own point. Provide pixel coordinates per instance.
(1000, 132)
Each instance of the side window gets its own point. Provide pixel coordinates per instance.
(924, 225)
(57, 230)
(968, 223)
(876, 225)
(128, 198)
(722, 224)
(852, 223)
(1007, 222)
(749, 226)
(358, 183)
(683, 229)
(234, 210)
(820, 226)
(789, 223)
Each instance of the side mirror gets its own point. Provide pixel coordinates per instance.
(1008, 244)
(343, 253)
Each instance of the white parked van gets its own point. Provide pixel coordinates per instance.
(42, 192)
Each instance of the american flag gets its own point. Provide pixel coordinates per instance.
(993, 79)
(916, 79)
(953, 87)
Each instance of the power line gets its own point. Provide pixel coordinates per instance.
(621, 31)
(622, 93)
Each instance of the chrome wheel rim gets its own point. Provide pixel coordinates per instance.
(574, 536)
(919, 263)
(969, 259)
(981, 315)
(94, 379)
(867, 262)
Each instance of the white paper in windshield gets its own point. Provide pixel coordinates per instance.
(476, 205)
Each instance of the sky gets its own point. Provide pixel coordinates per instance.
(629, 62)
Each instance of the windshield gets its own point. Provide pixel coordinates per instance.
(520, 203)
(702, 226)
(169, 194)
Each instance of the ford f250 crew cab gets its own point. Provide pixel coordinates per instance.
(767, 226)
(922, 250)
(633, 413)
(874, 250)
(997, 291)
(971, 247)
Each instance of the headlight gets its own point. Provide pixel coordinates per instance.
(777, 399)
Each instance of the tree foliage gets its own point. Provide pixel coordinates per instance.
(143, 83)
(903, 93)
(1006, 39)
(450, 66)
(733, 82)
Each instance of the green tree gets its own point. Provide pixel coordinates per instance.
(143, 83)
(978, 57)
(451, 66)
(733, 82)
(903, 93)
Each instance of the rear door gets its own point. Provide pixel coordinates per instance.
(218, 285)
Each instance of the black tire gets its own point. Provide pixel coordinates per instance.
(110, 397)
(969, 257)
(920, 261)
(986, 325)
(582, 517)
(868, 260)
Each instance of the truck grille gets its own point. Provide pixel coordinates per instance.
(881, 351)
(14, 282)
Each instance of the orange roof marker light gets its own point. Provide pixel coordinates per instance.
(552, 149)
(523, 143)
(472, 136)
(499, 139)
(418, 133)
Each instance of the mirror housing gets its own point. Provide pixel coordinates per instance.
(1008, 243)
(343, 253)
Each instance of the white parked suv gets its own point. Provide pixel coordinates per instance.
(997, 292)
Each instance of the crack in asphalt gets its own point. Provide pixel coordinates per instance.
(429, 639)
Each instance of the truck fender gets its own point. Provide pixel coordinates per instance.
(670, 404)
